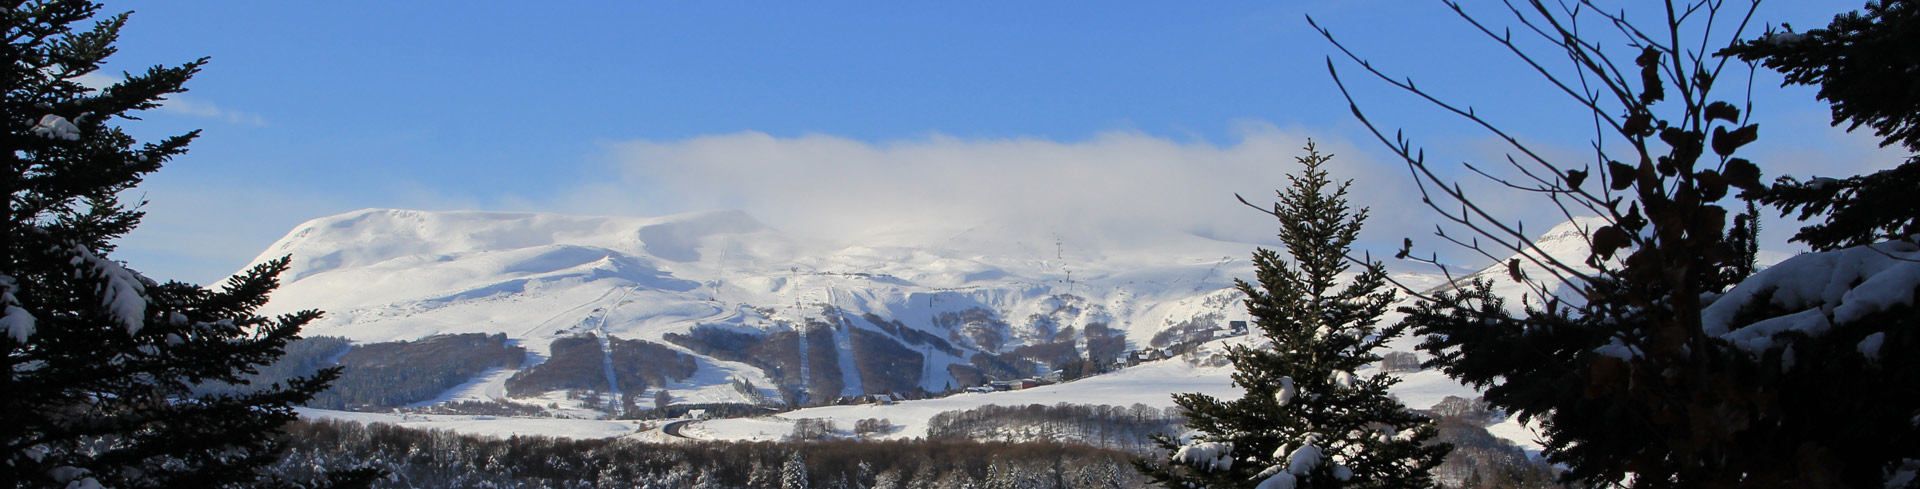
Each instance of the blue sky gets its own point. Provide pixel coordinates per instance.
(784, 109)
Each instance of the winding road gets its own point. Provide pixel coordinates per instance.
(673, 428)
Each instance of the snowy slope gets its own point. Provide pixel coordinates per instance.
(1152, 384)
(1566, 243)
(385, 275)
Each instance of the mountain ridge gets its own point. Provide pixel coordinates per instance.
(399, 275)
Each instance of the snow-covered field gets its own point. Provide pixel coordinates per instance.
(1151, 384)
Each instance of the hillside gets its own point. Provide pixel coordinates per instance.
(801, 321)
(612, 311)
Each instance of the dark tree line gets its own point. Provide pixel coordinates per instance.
(393, 374)
(885, 365)
(574, 362)
(303, 357)
(1124, 428)
(909, 335)
(641, 364)
(416, 458)
(579, 363)
(979, 327)
(385, 375)
(778, 354)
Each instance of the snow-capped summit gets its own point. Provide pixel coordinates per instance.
(1568, 243)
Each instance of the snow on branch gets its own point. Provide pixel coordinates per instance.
(1829, 289)
(123, 292)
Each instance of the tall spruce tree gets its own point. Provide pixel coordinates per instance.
(1306, 419)
(100, 360)
(793, 474)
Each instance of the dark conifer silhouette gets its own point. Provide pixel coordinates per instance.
(101, 361)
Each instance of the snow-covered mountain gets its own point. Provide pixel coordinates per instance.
(1567, 243)
(396, 275)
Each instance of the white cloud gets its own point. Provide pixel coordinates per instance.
(1115, 186)
(96, 80)
(177, 104)
(199, 108)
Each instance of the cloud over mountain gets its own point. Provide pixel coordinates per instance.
(1117, 186)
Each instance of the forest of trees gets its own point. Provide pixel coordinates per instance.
(416, 458)
(574, 362)
(1123, 428)
(885, 365)
(979, 327)
(909, 335)
(579, 363)
(385, 375)
(1479, 459)
(393, 374)
(778, 355)
(303, 357)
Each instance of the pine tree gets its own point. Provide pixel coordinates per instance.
(760, 474)
(793, 475)
(1306, 419)
(1863, 63)
(100, 359)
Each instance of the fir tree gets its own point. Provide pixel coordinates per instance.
(101, 360)
(1863, 63)
(1306, 419)
(793, 475)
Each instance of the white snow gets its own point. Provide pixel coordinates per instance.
(1901, 477)
(1758, 337)
(1566, 243)
(1283, 480)
(1783, 38)
(1870, 346)
(1286, 392)
(385, 275)
(75, 477)
(123, 292)
(1209, 455)
(56, 127)
(1829, 289)
(18, 323)
(1306, 458)
(1618, 349)
(1342, 378)
(1151, 384)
